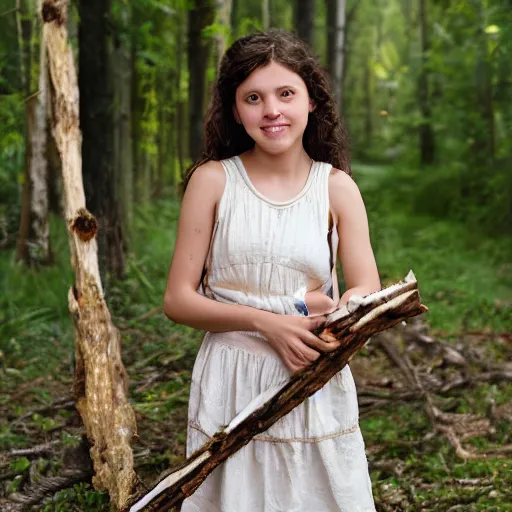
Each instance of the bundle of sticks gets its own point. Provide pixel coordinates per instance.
(352, 325)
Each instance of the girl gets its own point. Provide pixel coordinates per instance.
(254, 266)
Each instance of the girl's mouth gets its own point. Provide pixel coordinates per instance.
(274, 130)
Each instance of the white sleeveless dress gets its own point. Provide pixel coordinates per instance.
(267, 254)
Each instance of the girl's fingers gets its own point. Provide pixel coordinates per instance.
(320, 344)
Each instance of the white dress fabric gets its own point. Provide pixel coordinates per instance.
(268, 254)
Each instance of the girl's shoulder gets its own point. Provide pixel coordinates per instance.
(208, 181)
(344, 193)
(210, 172)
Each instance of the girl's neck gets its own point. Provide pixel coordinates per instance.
(288, 165)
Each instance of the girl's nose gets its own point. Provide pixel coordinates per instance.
(271, 109)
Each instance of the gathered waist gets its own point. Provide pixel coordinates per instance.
(249, 341)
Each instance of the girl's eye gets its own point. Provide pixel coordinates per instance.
(252, 98)
(287, 93)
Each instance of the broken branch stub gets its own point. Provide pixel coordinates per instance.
(352, 325)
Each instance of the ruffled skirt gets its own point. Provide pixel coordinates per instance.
(311, 460)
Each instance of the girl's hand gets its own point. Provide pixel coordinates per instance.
(318, 303)
(292, 339)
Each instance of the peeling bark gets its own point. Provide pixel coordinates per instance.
(100, 378)
(353, 326)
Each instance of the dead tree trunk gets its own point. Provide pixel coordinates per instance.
(100, 377)
(353, 325)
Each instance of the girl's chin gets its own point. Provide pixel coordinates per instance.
(274, 145)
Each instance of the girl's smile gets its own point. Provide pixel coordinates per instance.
(274, 130)
(273, 105)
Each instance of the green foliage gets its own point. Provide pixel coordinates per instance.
(12, 150)
(20, 465)
(467, 66)
(80, 496)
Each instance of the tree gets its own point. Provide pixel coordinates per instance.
(97, 122)
(426, 133)
(224, 19)
(304, 20)
(336, 17)
(200, 17)
(123, 151)
(34, 234)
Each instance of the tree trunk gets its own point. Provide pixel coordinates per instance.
(336, 17)
(485, 138)
(123, 163)
(198, 51)
(38, 169)
(97, 122)
(304, 20)
(52, 157)
(353, 326)
(34, 235)
(265, 14)
(24, 26)
(224, 16)
(24, 230)
(100, 378)
(426, 134)
(180, 107)
(137, 111)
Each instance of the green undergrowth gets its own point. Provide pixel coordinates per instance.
(465, 278)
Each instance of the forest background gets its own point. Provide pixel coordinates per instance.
(425, 88)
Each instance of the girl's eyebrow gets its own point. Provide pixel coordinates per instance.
(253, 91)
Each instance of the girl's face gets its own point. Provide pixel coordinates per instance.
(273, 104)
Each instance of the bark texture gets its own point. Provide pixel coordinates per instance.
(100, 377)
(353, 325)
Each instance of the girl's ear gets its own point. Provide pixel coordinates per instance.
(236, 115)
(312, 105)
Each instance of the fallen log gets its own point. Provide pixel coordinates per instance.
(353, 325)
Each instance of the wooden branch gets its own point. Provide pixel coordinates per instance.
(100, 377)
(352, 325)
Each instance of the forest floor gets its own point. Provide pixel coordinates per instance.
(459, 458)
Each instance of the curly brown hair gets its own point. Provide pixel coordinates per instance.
(325, 138)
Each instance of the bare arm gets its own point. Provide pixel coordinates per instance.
(182, 302)
(354, 250)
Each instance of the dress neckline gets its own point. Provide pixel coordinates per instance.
(241, 167)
